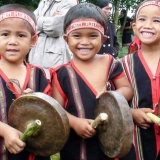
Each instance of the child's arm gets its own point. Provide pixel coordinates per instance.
(123, 86)
(12, 138)
(81, 126)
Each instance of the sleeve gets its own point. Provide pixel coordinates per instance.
(41, 82)
(116, 70)
(53, 26)
(125, 62)
(58, 77)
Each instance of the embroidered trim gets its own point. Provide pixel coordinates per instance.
(32, 80)
(79, 105)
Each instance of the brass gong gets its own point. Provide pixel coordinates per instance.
(116, 134)
(54, 129)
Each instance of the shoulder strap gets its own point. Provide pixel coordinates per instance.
(76, 91)
(31, 84)
(110, 85)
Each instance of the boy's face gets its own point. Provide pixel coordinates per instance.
(85, 43)
(147, 25)
(15, 39)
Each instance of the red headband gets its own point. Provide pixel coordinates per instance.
(18, 14)
(148, 3)
(85, 24)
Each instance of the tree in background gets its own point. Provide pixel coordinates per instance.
(118, 5)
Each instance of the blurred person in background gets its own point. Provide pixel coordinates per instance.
(127, 32)
(111, 45)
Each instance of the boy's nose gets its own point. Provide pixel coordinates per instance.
(85, 41)
(148, 24)
(13, 41)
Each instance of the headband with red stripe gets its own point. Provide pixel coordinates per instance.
(18, 14)
(85, 24)
(146, 4)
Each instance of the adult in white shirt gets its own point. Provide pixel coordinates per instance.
(51, 50)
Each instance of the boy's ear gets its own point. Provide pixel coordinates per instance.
(34, 40)
(65, 37)
(133, 26)
(104, 38)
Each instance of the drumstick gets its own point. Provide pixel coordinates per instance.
(154, 118)
(99, 120)
(32, 130)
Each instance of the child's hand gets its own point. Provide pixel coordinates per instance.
(12, 140)
(83, 128)
(27, 91)
(140, 117)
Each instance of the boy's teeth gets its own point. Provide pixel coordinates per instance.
(147, 34)
(84, 50)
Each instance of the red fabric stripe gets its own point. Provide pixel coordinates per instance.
(31, 156)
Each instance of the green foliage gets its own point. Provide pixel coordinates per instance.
(122, 51)
(90, 1)
(32, 4)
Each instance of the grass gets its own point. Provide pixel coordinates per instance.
(122, 50)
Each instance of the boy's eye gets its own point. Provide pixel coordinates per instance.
(94, 35)
(141, 19)
(21, 35)
(157, 20)
(76, 35)
(4, 34)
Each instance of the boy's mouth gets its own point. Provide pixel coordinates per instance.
(12, 50)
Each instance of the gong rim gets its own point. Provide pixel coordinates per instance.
(116, 135)
(55, 124)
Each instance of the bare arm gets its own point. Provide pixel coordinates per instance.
(123, 86)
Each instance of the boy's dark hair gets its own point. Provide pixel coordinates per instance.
(103, 3)
(21, 8)
(83, 11)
